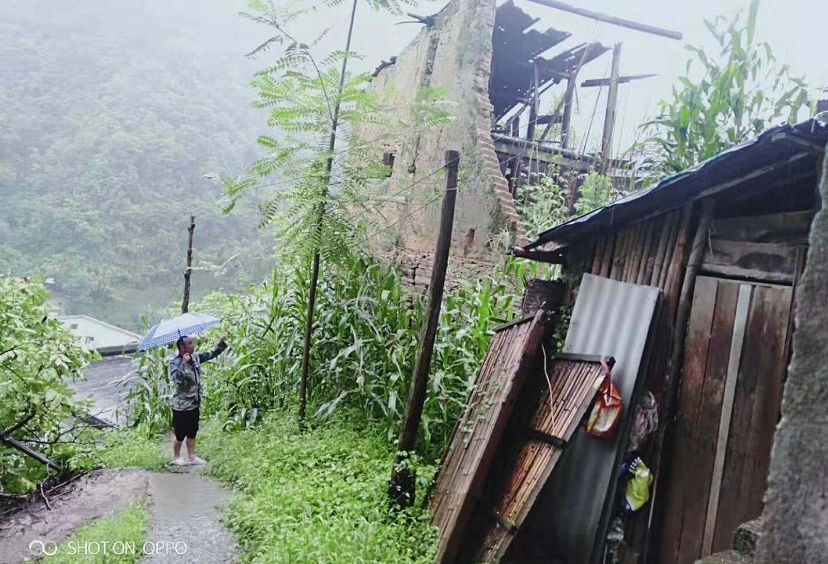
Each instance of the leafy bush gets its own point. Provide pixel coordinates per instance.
(363, 354)
(148, 401)
(316, 496)
(37, 357)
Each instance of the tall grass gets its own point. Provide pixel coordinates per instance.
(365, 345)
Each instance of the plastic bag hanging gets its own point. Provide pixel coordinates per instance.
(606, 412)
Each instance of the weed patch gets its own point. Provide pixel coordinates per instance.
(117, 539)
(315, 496)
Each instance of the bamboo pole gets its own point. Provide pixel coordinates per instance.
(401, 489)
(606, 262)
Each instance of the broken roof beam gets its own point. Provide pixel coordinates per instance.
(536, 42)
(629, 24)
(565, 64)
(621, 80)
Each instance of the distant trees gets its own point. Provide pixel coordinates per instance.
(104, 141)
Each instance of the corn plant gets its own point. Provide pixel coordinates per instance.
(739, 92)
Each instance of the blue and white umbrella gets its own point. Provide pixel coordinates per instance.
(169, 330)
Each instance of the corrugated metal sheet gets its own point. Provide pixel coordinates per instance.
(770, 147)
(530, 459)
(610, 318)
(477, 435)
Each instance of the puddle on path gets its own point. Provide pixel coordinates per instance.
(185, 511)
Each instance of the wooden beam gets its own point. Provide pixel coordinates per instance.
(768, 262)
(621, 22)
(566, 122)
(621, 80)
(185, 302)
(534, 103)
(797, 140)
(401, 489)
(612, 102)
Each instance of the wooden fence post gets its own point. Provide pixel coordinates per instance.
(185, 303)
(401, 488)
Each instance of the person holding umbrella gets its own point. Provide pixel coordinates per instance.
(185, 375)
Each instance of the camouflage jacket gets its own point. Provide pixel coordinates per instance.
(186, 379)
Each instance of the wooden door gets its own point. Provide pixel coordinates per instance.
(729, 404)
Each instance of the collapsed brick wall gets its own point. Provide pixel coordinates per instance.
(415, 269)
(455, 56)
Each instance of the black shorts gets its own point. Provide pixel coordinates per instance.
(185, 424)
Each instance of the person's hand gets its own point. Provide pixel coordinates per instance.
(223, 338)
(187, 357)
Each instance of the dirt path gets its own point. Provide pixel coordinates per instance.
(96, 495)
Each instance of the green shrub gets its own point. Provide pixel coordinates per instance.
(315, 496)
(132, 447)
(365, 343)
(37, 358)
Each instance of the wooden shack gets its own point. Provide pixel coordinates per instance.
(726, 243)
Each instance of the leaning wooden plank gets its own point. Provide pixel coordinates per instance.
(478, 435)
(561, 407)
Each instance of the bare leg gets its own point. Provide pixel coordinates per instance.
(191, 448)
(176, 449)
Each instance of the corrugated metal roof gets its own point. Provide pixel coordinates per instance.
(610, 318)
(774, 146)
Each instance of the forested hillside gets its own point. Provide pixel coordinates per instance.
(111, 115)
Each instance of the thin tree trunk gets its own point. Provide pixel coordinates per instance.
(185, 303)
(314, 282)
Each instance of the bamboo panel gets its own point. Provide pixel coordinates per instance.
(634, 258)
(664, 235)
(646, 254)
(477, 436)
(606, 262)
(600, 245)
(619, 254)
(531, 461)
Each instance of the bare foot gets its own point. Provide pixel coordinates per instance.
(195, 460)
(179, 461)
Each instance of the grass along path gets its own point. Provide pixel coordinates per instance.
(117, 539)
(317, 496)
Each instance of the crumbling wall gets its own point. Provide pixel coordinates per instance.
(796, 503)
(454, 55)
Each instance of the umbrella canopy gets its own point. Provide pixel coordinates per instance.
(169, 330)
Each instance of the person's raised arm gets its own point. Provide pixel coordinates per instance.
(220, 348)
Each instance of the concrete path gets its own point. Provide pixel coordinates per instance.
(185, 514)
(107, 381)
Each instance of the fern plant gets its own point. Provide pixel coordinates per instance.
(312, 102)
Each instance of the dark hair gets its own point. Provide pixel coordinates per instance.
(180, 341)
